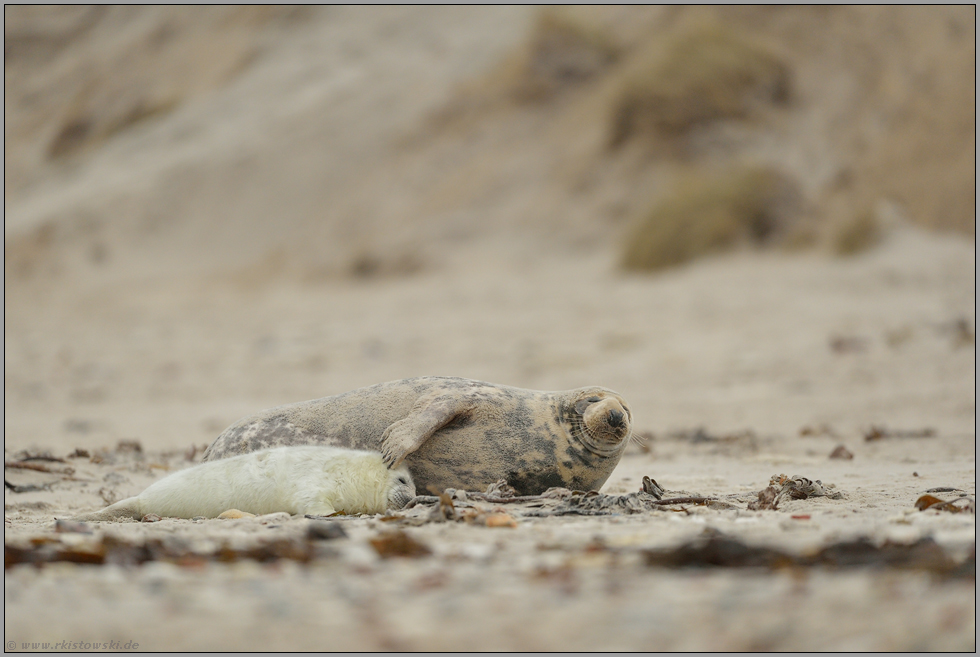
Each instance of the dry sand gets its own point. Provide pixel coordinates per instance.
(289, 234)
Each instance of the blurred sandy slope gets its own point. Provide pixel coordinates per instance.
(208, 213)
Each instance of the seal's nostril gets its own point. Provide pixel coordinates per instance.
(615, 419)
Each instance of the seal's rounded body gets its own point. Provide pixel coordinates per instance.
(316, 480)
(456, 433)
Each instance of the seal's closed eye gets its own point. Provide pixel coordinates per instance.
(583, 404)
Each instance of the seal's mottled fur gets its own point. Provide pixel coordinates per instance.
(316, 480)
(456, 433)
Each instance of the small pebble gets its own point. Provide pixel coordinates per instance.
(234, 514)
(71, 527)
(501, 520)
(273, 519)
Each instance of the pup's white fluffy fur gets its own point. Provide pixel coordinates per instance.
(313, 479)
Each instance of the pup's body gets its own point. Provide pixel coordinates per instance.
(312, 479)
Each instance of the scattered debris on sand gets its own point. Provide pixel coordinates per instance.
(848, 344)
(767, 500)
(714, 550)
(881, 432)
(958, 505)
(37, 467)
(110, 549)
(324, 530)
(720, 551)
(795, 487)
(651, 487)
(817, 431)
(398, 544)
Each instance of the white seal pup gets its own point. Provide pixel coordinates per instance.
(312, 479)
(456, 433)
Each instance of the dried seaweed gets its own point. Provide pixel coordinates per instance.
(717, 550)
(700, 435)
(767, 501)
(501, 489)
(958, 505)
(841, 452)
(800, 488)
(23, 465)
(598, 504)
(36, 455)
(497, 493)
(795, 487)
(591, 503)
(876, 432)
(924, 554)
(110, 549)
(651, 487)
(25, 488)
(133, 446)
(720, 551)
(819, 430)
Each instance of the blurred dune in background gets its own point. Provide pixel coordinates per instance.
(182, 183)
(330, 141)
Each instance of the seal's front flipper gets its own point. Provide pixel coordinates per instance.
(428, 415)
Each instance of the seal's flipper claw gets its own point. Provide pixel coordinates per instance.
(395, 445)
(428, 415)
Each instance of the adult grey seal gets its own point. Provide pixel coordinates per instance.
(456, 433)
(310, 479)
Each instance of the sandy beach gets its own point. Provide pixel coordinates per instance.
(345, 196)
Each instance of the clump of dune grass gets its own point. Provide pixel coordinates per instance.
(858, 234)
(563, 51)
(86, 129)
(703, 75)
(711, 213)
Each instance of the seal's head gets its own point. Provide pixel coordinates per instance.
(401, 488)
(600, 420)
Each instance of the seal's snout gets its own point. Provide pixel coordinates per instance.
(401, 488)
(608, 425)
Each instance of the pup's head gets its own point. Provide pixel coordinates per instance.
(401, 488)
